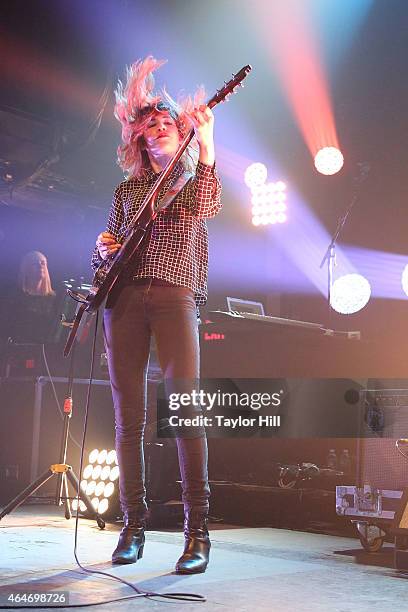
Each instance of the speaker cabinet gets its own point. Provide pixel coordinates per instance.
(384, 420)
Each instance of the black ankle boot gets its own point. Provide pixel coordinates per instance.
(195, 557)
(131, 540)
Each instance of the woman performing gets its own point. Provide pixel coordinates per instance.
(159, 294)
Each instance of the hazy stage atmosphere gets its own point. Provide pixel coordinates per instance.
(304, 327)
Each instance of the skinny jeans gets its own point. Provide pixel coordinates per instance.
(134, 311)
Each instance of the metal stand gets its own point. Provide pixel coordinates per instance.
(62, 470)
(330, 255)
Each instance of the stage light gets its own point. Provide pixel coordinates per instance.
(74, 505)
(90, 487)
(103, 506)
(103, 485)
(105, 472)
(99, 489)
(102, 456)
(96, 472)
(329, 160)
(404, 280)
(350, 293)
(111, 457)
(269, 204)
(109, 489)
(95, 503)
(114, 474)
(255, 175)
(93, 455)
(87, 473)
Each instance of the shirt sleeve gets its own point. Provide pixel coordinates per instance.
(115, 221)
(206, 192)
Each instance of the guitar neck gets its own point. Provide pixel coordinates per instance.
(218, 97)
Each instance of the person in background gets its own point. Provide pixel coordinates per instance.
(29, 310)
(34, 277)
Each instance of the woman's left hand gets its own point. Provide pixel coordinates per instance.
(203, 122)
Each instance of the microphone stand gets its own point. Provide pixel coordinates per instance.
(330, 254)
(61, 470)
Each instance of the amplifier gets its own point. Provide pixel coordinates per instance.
(384, 420)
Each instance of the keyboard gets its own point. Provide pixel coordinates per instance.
(233, 314)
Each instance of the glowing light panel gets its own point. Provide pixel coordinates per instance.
(93, 455)
(350, 293)
(329, 160)
(269, 204)
(255, 175)
(404, 280)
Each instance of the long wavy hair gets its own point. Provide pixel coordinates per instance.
(136, 103)
(25, 277)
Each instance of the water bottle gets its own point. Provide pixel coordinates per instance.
(332, 459)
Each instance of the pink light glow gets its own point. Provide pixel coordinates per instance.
(289, 38)
(30, 69)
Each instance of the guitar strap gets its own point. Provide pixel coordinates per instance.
(174, 190)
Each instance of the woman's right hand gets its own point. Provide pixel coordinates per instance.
(106, 244)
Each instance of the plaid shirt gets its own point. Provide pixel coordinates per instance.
(176, 246)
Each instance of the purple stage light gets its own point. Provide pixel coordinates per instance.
(384, 269)
(404, 280)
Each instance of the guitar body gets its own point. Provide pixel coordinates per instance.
(110, 269)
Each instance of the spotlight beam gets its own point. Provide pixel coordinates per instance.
(288, 35)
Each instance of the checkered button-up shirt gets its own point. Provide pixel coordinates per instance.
(175, 248)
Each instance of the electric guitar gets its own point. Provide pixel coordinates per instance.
(110, 269)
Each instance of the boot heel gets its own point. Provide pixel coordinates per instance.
(196, 554)
(140, 553)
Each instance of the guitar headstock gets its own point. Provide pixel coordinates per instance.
(229, 87)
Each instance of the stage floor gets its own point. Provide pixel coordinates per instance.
(251, 569)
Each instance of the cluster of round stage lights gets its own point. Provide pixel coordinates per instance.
(268, 199)
(99, 480)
